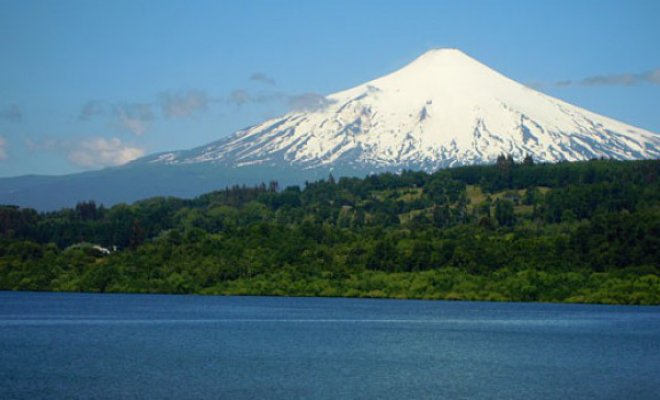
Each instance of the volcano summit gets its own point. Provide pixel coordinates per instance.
(443, 109)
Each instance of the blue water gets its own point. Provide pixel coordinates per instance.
(93, 346)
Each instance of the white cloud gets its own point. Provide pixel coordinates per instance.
(91, 109)
(262, 78)
(309, 102)
(181, 105)
(101, 152)
(239, 97)
(296, 102)
(652, 76)
(627, 79)
(135, 117)
(3, 148)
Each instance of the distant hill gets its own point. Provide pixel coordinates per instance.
(570, 232)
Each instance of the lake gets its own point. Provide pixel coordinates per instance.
(108, 346)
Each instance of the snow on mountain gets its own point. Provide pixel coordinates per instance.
(443, 109)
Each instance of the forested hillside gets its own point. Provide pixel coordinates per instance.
(575, 232)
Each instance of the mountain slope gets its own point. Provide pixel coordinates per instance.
(443, 109)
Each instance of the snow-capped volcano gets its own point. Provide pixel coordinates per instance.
(443, 109)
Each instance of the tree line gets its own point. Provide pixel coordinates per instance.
(583, 232)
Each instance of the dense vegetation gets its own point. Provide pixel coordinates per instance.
(574, 232)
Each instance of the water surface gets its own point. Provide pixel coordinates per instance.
(95, 346)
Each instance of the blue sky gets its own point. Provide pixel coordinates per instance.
(88, 84)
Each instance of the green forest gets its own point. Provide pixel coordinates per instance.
(583, 232)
